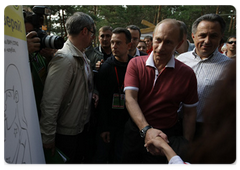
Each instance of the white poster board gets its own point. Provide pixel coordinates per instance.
(22, 138)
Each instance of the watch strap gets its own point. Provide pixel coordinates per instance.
(144, 131)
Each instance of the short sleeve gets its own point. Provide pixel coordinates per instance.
(191, 98)
(131, 80)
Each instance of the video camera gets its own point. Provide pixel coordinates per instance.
(49, 41)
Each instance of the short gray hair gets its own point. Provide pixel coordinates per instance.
(211, 18)
(77, 22)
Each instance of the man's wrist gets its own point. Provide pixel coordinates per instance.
(144, 131)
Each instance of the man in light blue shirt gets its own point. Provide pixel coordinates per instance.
(205, 60)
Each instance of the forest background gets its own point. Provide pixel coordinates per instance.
(124, 15)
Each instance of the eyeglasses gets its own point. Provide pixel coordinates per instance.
(91, 32)
(230, 42)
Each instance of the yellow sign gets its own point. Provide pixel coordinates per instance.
(14, 23)
(149, 24)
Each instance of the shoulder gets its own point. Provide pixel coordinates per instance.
(139, 59)
(185, 56)
(107, 65)
(222, 58)
(97, 49)
(142, 53)
(183, 68)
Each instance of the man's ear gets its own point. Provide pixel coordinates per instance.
(85, 31)
(129, 45)
(193, 36)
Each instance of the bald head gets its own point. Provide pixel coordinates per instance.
(174, 24)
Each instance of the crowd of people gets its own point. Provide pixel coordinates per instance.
(157, 100)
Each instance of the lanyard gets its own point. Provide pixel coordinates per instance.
(119, 88)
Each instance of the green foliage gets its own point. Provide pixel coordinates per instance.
(122, 16)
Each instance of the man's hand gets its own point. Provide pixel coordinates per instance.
(152, 134)
(162, 145)
(33, 42)
(106, 137)
(98, 64)
(50, 146)
(95, 99)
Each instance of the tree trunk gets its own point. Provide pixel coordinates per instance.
(159, 13)
(230, 25)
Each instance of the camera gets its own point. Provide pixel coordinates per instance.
(46, 41)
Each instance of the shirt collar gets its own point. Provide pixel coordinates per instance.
(76, 52)
(137, 53)
(197, 56)
(150, 62)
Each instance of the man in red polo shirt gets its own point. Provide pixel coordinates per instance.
(155, 85)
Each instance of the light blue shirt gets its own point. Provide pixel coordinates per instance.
(207, 71)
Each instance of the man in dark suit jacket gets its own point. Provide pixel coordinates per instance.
(136, 34)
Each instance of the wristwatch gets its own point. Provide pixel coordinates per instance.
(144, 131)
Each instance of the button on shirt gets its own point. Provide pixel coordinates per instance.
(207, 71)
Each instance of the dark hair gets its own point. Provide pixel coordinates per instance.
(124, 31)
(105, 28)
(143, 42)
(148, 37)
(184, 27)
(27, 17)
(211, 18)
(134, 27)
(232, 36)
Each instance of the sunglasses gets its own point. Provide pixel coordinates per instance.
(230, 42)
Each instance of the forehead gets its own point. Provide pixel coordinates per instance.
(209, 26)
(118, 37)
(167, 31)
(232, 39)
(105, 32)
(134, 33)
(141, 43)
(147, 39)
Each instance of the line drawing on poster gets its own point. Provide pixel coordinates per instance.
(17, 148)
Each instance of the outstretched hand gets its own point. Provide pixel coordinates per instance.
(151, 136)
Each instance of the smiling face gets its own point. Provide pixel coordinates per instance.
(231, 44)
(148, 43)
(165, 41)
(207, 38)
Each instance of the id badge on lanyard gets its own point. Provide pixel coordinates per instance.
(118, 101)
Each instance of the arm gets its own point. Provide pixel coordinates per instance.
(131, 97)
(56, 84)
(105, 88)
(189, 121)
(160, 143)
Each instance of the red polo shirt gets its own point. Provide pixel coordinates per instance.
(159, 94)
